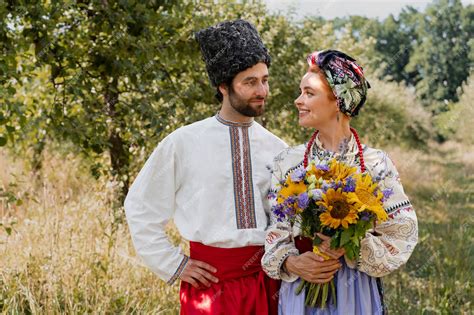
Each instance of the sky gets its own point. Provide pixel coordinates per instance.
(330, 9)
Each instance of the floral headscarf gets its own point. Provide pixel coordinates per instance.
(345, 77)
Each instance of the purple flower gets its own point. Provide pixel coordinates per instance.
(317, 194)
(278, 207)
(271, 195)
(365, 216)
(350, 181)
(298, 175)
(336, 185)
(303, 200)
(350, 185)
(325, 186)
(387, 193)
(290, 200)
(323, 167)
(289, 211)
(278, 211)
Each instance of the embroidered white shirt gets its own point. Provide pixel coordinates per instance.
(383, 250)
(212, 179)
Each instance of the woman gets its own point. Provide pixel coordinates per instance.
(332, 92)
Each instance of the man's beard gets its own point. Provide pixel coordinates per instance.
(243, 106)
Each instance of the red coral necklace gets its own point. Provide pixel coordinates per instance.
(359, 146)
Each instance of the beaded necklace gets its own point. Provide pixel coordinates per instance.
(359, 146)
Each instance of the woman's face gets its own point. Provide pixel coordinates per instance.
(316, 104)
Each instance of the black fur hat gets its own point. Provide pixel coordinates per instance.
(229, 48)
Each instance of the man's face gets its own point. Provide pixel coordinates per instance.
(249, 90)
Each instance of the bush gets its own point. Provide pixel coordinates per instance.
(456, 123)
(392, 115)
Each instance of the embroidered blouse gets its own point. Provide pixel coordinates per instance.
(383, 250)
(211, 178)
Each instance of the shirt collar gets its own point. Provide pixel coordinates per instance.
(233, 123)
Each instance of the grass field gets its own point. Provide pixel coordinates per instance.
(63, 249)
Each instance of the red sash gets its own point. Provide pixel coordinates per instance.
(243, 286)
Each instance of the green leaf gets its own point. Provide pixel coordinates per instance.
(317, 241)
(349, 251)
(355, 240)
(97, 148)
(3, 141)
(346, 235)
(336, 240)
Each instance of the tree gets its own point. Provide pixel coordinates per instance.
(395, 42)
(11, 112)
(442, 55)
(456, 123)
(124, 74)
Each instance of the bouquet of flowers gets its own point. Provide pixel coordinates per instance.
(334, 199)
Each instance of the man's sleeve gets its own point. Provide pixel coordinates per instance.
(149, 205)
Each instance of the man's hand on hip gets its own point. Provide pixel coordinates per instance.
(198, 273)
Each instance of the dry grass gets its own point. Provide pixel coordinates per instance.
(62, 256)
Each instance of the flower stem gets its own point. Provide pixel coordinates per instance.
(325, 295)
(333, 292)
(300, 287)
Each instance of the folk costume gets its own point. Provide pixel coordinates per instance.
(384, 249)
(212, 178)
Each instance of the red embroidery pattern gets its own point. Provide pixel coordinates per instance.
(391, 249)
(271, 237)
(394, 213)
(243, 183)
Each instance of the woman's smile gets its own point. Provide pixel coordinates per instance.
(303, 112)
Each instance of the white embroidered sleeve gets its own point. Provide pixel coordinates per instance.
(390, 245)
(279, 242)
(149, 205)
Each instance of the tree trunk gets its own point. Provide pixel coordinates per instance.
(119, 155)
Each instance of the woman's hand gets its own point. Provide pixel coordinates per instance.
(312, 267)
(198, 274)
(325, 247)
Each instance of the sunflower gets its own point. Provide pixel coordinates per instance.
(290, 188)
(341, 171)
(319, 173)
(334, 171)
(367, 197)
(339, 211)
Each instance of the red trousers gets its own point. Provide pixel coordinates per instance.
(243, 286)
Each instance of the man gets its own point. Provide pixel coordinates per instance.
(212, 178)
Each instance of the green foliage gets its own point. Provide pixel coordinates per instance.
(447, 26)
(394, 42)
(11, 111)
(114, 78)
(456, 123)
(123, 74)
(392, 114)
(431, 50)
